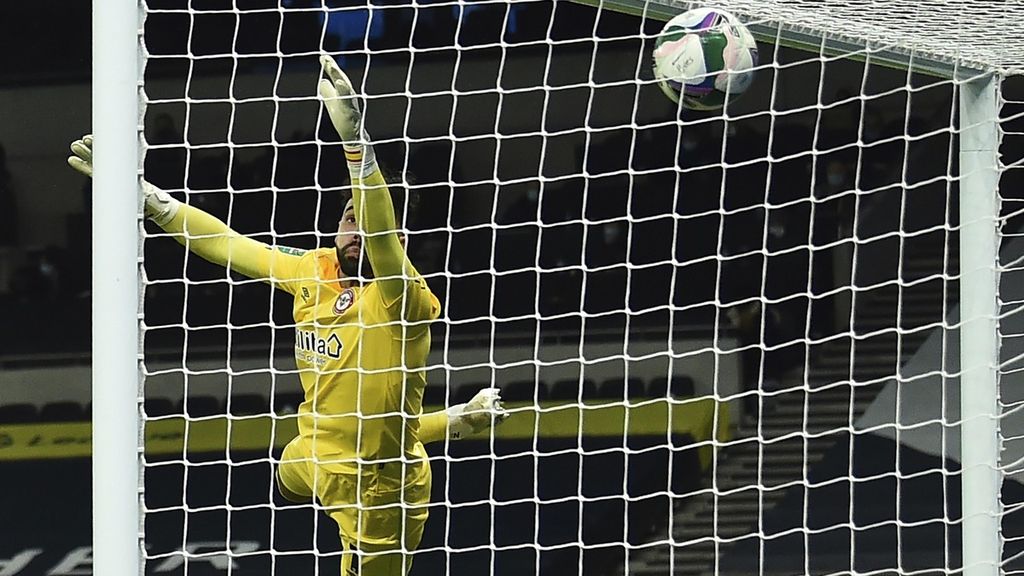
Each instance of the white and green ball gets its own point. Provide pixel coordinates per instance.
(704, 57)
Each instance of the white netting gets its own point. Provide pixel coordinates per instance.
(975, 33)
(1010, 328)
(727, 339)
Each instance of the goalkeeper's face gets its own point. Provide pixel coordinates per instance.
(349, 246)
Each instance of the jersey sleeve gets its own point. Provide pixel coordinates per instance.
(212, 240)
(433, 426)
(403, 290)
(419, 305)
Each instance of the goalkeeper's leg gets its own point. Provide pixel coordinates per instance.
(381, 532)
(295, 473)
(375, 560)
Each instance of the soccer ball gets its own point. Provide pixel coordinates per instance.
(703, 57)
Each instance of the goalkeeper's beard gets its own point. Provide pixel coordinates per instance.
(354, 266)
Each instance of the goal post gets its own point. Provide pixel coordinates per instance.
(116, 281)
(979, 328)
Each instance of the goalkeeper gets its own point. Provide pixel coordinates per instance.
(361, 343)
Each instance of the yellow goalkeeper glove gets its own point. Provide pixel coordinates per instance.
(480, 413)
(160, 207)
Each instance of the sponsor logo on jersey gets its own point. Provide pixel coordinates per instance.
(308, 341)
(305, 293)
(344, 301)
(290, 250)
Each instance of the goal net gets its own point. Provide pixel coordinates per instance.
(730, 342)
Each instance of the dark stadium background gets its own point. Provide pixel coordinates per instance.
(690, 264)
(51, 275)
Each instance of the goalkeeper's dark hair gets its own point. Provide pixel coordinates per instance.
(404, 198)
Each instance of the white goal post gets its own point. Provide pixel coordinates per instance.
(966, 48)
(116, 415)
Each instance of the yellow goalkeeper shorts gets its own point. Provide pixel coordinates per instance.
(377, 526)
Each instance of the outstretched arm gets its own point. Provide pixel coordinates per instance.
(214, 241)
(200, 232)
(375, 214)
(463, 420)
(371, 198)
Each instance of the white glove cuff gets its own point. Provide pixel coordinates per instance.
(362, 162)
(457, 427)
(160, 207)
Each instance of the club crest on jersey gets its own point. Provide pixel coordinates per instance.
(344, 301)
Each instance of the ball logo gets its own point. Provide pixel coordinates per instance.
(344, 301)
(704, 57)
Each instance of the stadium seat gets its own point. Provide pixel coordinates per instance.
(657, 387)
(565, 390)
(589, 389)
(569, 389)
(62, 412)
(617, 388)
(678, 386)
(18, 414)
(681, 387)
(523, 391)
(156, 407)
(200, 406)
(248, 405)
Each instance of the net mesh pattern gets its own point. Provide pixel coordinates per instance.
(726, 339)
(978, 34)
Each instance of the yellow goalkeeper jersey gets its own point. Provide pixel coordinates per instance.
(360, 358)
(361, 363)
